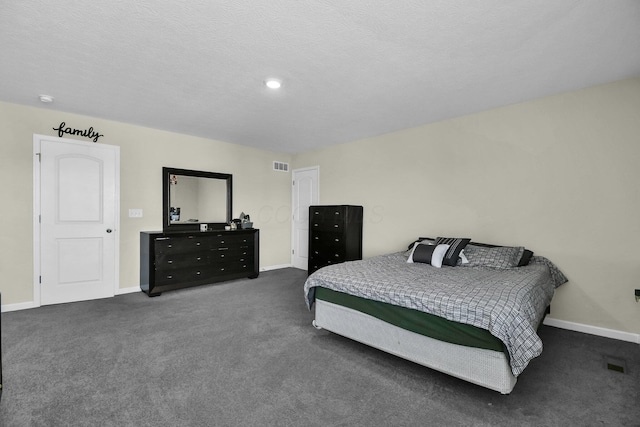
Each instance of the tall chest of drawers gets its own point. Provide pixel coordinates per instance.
(177, 260)
(335, 235)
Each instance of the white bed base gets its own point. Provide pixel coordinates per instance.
(486, 368)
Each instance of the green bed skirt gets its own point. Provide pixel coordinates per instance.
(416, 321)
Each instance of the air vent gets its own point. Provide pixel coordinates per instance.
(281, 166)
(615, 364)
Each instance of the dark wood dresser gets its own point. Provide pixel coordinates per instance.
(335, 235)
(177, 260)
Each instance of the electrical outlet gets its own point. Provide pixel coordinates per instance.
(135, 213)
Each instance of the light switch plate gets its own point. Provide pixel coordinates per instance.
(135, 213)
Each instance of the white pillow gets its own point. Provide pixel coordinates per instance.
(438, 255)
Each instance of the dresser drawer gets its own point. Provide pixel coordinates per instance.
(333, 256)
(326, 240)
(182, 275)
(327, 213)
(175, 260)
(326, 226)
(183, 244)
(232, 255)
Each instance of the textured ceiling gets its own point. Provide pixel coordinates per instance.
(350, 69)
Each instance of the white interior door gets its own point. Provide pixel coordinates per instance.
(79, 202)
(305, 194)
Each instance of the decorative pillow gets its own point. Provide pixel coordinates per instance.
(455, 246)
(428, 253)
(526, 257)
(421, 239)
(496, 257)
(414, 246)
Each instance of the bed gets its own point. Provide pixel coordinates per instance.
(475, 320)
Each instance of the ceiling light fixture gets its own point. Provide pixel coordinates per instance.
(47, 99)
(273, 83)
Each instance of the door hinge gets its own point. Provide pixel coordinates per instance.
(39, 158)
(293, 251)
(293, 182)
(40, 279)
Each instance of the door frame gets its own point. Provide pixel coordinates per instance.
(36, 211)
(293, 208)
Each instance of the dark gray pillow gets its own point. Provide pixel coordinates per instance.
(455, 246)
(423, 253)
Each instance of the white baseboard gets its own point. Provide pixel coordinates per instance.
(276, 267)
(593, 330)
(18, 306)
(130, 290)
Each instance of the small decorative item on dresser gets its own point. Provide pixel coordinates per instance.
(335, 235)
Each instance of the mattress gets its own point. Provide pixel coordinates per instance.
(508, 303)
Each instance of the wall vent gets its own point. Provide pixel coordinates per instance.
(281, 166)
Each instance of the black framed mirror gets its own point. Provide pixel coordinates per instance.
(191, 198)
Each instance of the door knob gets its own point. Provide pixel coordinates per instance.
(109, 230)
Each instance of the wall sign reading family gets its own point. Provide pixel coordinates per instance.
(87, 133)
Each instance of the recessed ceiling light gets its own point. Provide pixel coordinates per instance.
(46, 99)
(273, 83)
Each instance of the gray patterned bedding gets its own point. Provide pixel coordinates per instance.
(509, 303)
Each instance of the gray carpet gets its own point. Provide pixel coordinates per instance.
(244, 353)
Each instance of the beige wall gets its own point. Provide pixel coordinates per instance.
(559, 175)
(257, 189)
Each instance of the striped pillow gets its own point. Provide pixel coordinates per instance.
(455, 246)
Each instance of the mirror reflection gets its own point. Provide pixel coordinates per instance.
(195, 199)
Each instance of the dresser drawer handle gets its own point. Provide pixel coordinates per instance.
(221, 241)
(223, 249)
(198, 259)
(169, 277)
(197, 273)
(337, 240)
(222, 256)
(169, 246)
(222, 269)
(197, 243)
(336, 225)
(170, 261)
